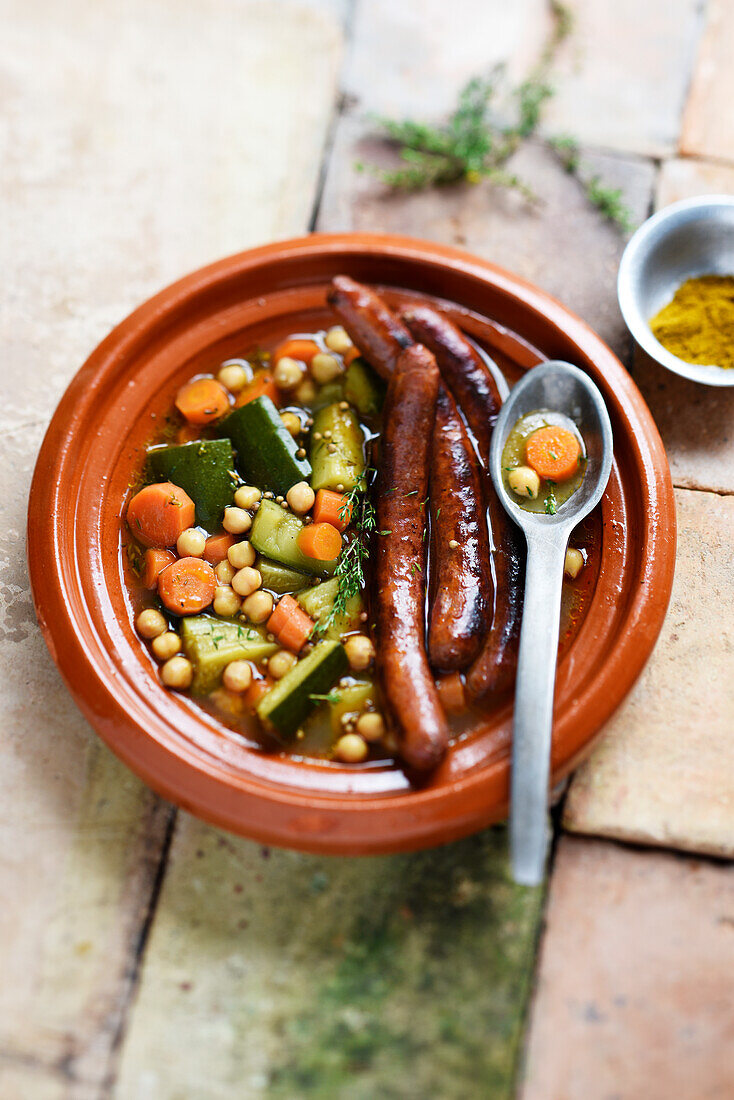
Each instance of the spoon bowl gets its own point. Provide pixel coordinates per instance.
(560, 388)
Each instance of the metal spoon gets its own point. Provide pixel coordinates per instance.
(563, 389)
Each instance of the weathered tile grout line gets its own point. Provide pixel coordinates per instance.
(138, 956)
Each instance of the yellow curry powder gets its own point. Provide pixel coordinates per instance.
(698, 325)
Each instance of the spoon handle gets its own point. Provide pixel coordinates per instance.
(533, 720)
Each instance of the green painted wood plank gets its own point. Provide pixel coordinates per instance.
(277, 975)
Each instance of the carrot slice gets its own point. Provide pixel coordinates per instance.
(321, 541)
(303, 350)
(155, 561)
(333, 508)
(553, 453)
(216, 547)
(262, 385)
(187, 586)
(290, 624)
(159, 513)
(451, 693)
(350, 355)
(256, 690)
(202, 401)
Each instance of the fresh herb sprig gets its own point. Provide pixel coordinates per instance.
(350, 568)
(474, 144)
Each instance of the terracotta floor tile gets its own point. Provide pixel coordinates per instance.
(664, 770)
(622, 77)
(633, 999)
(708, 121)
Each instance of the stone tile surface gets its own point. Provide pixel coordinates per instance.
(559, 242)
(633, 994)
(623, 74)
(277, 975)
(664, 770)
(136, 144)
(708, 127)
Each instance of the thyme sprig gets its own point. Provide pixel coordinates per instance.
(350, 567)
(476, 142)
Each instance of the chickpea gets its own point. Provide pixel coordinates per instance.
(337, 339)
(371, 725)
(241, 554)
(524, 481)
(224, 571)
(246, 581)
(301, 497)
(280, 663)
(291, 423)
(150, 623)
(258, 607)
(351, 748)
(177, 673)
(236, 521)
(166, 645)
(306, 392)
(288, 373)
(190, 543)
(237, 676)
(233, 377)
(247, 496)
(226, 601)
(360, 651)
(325, 368)
(574, 563)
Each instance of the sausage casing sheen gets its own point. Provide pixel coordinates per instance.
(461, 606)
(377, 332)
(473, 385)
(400, 560)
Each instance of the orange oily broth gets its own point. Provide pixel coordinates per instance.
(229, 708)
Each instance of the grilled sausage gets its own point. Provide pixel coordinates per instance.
(472, 384)
(461, 579)
(400, 560)
(377, 332)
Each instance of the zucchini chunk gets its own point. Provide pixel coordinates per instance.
(266, 451)
(342, 467)
(292, 699)
(204, 469)
(363, 388)
(274, 533)
(211, 643)
(278, 578)
(318, 602)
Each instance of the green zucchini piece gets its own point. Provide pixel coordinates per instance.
(344, 466)
(278, 578)
(204, 469)
(274, 533)
(211, 643)
(328, 393)
(290, 702)
(363, 388)
(350, 700)
(266, 451)
(318, 602)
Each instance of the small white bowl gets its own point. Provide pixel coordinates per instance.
(689, 238)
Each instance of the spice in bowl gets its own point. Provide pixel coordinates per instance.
(698, 324)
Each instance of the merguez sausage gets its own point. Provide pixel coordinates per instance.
(475, 389)
(461, 608)
(377, 332)
(462, 580)
(400, 560)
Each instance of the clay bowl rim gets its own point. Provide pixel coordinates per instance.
(296, 816)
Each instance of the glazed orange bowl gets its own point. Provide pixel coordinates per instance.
(94, 449)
